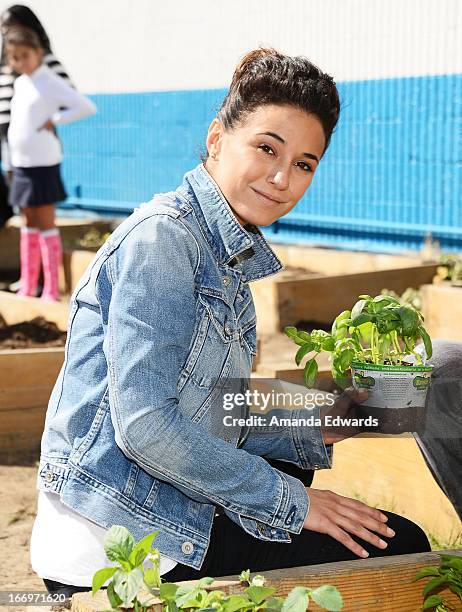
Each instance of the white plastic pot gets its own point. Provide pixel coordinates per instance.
(392, 387)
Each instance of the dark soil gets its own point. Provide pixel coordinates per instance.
(36, 333)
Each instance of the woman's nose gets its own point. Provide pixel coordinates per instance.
(280, 178)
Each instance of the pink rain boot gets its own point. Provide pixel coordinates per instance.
(30, 260)
(50, 247)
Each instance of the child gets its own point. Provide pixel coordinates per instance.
(35, 154)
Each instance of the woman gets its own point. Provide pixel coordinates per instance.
(160, 324)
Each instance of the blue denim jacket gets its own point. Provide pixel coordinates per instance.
(162, 316)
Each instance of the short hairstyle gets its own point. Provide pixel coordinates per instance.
(265, 76)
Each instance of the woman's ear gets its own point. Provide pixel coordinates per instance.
(214, 138)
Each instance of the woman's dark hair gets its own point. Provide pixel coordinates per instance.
(22, 16)
(22, 36)
(265, 76)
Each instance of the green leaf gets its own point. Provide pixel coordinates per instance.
(114, 599)
(426, 340)
(365, 297)
(258, 594)
(310, 372)
(453, 561)
(432, 602)
(328, 597)
(118, 543)
(297, 600)
(244, 576)
(101, 576)
(425, 572)
(302, 351)
(363, 318)
(409, 320)
(357, 309)
(339, 322)
(143, 546)
(328, 344)
(168, 590)
(127, 584)
(291, 331)
(274, 604)
(236, 602)
(303, 335)
(433, 584)
(152, 577)
(346, 357)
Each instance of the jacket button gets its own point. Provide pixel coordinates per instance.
(226, 281)
(228, 330)
(49, 477)
(187, 548)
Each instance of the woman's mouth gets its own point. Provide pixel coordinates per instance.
(265, 197)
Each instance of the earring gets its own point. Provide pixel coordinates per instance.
(214, 155)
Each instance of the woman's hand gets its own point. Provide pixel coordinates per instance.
(340, 516)
(48, 125)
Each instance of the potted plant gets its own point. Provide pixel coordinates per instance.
(377, 341)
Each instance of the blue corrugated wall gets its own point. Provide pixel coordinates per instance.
(392, 173)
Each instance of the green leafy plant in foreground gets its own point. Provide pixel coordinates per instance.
(447, 575)
(130, 576)
(378, 330)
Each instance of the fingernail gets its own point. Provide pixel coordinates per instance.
(390, 532)
(364, 553)
(383, 544)
(384, 517)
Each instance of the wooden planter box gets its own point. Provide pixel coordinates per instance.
(442, 309)
(27, 378)
(367, 585)
(282, 301)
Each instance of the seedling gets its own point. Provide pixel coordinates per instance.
(130, 575)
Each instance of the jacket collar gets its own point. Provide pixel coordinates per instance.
(230, 242)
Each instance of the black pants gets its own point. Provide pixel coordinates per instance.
(232, 550)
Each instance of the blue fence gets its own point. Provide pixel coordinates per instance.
(391, 176)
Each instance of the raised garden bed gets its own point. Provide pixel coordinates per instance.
(31, 355)
(284, 300)
(442, 309)
(378, 585)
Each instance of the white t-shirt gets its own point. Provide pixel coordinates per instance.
(37, 98)
(69, 548)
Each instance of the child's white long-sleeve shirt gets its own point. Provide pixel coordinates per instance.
(37, 98)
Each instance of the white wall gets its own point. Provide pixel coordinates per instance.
(145, 45)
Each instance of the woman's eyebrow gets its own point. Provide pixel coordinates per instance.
(277, 137)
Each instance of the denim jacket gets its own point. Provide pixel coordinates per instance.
(159, 320)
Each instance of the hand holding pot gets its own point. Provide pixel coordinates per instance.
(340, 516)
(345, 407)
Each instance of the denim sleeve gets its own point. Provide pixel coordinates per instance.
(289, 433)
(150, 322)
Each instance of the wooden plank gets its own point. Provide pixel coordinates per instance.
(442, 322)
(29, 368)
(323, 298)
(15, 309)
(338, 261)
(383, 584)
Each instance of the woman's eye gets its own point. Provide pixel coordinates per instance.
(266, 149)
(304, 166)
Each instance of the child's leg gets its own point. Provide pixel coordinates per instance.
(29, 253)
(51, 250)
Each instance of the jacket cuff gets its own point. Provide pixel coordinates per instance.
(294, 504)
(313, 452)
